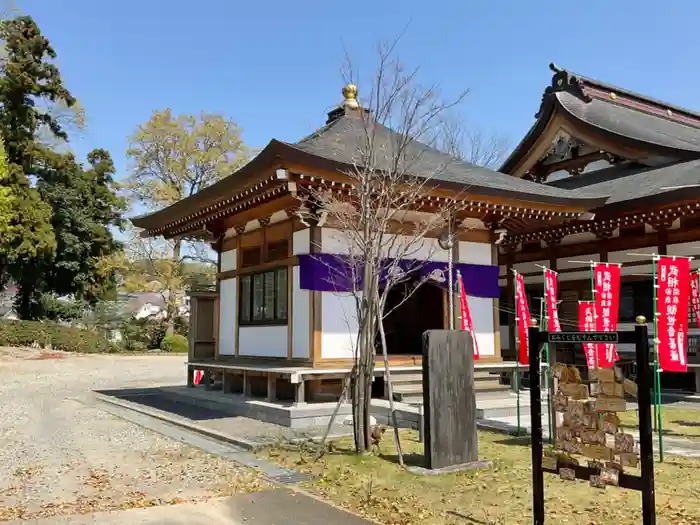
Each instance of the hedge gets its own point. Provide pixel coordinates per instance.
(59, 337)
(175, 343)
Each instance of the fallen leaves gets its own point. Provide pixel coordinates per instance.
(377, 488)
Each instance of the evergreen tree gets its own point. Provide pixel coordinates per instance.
(84, 206)
(27, 77)
(61, 213)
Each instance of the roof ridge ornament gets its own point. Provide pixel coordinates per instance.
(563, 81)
(350, 96)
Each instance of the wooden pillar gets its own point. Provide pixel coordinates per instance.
(299, 393)
(271, 388)
(496, 313)
(247, 386)
(190, 377)
(455, 294)
(192, 332)
(662, 232)
(552, 246)
(217, 303)
(604, 243)
(315, 303)
(510, 293)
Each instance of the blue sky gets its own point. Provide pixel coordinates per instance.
(275, 66)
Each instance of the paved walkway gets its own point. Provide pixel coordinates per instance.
(270, 507)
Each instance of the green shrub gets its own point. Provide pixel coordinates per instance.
(174, 343)
(59, 337)
(149, 332)
(137, 346)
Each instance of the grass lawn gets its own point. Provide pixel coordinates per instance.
(376, 487)
(679, 422)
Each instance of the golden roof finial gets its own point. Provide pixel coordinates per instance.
(350, 94)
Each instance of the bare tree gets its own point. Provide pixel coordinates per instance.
(473, 145)
(147, 264)
(388, 216)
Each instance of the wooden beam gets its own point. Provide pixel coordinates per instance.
(265, 209)
(231, 274)
(547, 169)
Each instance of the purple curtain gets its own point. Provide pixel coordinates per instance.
(327, 272)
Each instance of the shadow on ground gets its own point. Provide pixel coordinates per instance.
(411, 459)
(518, 441)
(156, 398)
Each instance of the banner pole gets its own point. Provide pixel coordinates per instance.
(517, 351)
(657, 372)
(545, 322)
(595, 314)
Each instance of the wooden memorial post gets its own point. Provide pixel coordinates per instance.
(448, 398)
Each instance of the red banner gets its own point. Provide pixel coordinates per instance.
(523, 319)
(606, 278)
(672, 276)
(586, 323)
(551, 294)
(695, 295)
(465, 315)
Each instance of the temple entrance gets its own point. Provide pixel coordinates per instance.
(405, 325)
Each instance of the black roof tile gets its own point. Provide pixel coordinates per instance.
(341, 141)
(632, 183)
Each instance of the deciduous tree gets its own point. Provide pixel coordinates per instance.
(175, 157)
(401, 124)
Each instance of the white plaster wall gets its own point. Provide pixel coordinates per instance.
(625, 255)
(335, 241)
(686, 249)
(301, 338)
(268, 341)
(228, 260)
(577, 262)
(301, 240)
(227, 317)
(475, 252)
(481, 310)
(339, 325)
(530, 267)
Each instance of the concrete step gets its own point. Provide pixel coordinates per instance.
(412, 398)
(401, 379)
(495, 412)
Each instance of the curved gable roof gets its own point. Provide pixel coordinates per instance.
(621, 114)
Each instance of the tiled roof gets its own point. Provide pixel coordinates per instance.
(342, 141)
(629, 183)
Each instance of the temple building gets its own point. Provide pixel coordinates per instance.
(273, 328)
(641, 156)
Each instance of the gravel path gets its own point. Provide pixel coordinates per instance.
(60, 456)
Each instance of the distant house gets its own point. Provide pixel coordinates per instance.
(141, 305)
(7, 297)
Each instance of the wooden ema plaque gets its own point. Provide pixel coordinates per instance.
(590, 426)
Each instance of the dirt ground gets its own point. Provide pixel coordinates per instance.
(61, 455)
